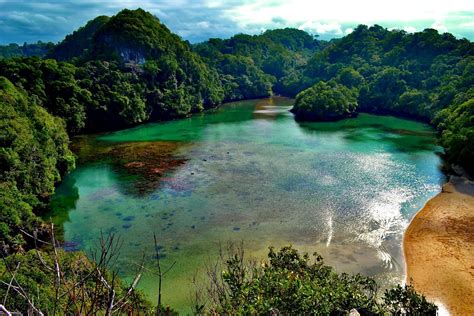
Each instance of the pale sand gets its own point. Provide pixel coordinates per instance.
(439, 248)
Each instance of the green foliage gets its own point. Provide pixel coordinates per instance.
(325, 101)
(34, 155)
(291, 283)
(405, 301)
(282, 54)
(240, 77)
(39, 49)
(118, 96)
(384, 90)
(15, 215)
(456, 124)
(53, 85)
(350, 77)
(293, 39)
(135, 35)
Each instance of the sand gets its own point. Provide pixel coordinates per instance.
(439, 248)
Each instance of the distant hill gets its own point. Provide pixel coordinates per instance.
(39, 49)
(281, 53)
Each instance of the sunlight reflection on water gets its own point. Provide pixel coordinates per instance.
(251, 173)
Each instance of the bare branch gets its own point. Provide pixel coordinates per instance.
(11, 282)
(168, 270)
(34, 237)
(4, 310)
(20, 291)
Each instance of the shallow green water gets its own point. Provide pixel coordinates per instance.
(346, 189)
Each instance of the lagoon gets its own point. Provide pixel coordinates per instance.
(249, 172)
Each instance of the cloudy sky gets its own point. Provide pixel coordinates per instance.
(197, 20)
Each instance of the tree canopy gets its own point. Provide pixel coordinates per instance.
(34, 155)
(325, 101)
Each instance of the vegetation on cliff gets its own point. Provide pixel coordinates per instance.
(34, 156)
(456, 124)
(256, 65)
(136, 69)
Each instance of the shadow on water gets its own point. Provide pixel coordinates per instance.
(404, 136)
(194, 127)
(62, 202)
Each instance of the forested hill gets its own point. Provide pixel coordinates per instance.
(424, 75)
(39, 49)
(270, 59)
(128, 69)
(133, 66)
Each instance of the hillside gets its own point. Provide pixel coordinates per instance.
(136, 69)
(276, 55)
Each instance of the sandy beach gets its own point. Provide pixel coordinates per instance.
(439, 248)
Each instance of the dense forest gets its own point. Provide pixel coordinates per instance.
(39, 49)
(424, 75)
(120, 71)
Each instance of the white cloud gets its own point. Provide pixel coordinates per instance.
(203, 24)
(467, 24)
(362, 11)
(321, 28)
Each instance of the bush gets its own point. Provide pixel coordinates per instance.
(291, 283)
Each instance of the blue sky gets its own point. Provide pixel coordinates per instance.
(197, 20)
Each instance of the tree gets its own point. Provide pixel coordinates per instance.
(325, 101)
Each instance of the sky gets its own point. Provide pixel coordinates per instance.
(198, 20)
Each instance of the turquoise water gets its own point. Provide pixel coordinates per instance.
(249, 172)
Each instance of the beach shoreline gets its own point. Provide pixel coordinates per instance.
(439, 248)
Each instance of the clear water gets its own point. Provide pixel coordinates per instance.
(248, 172)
